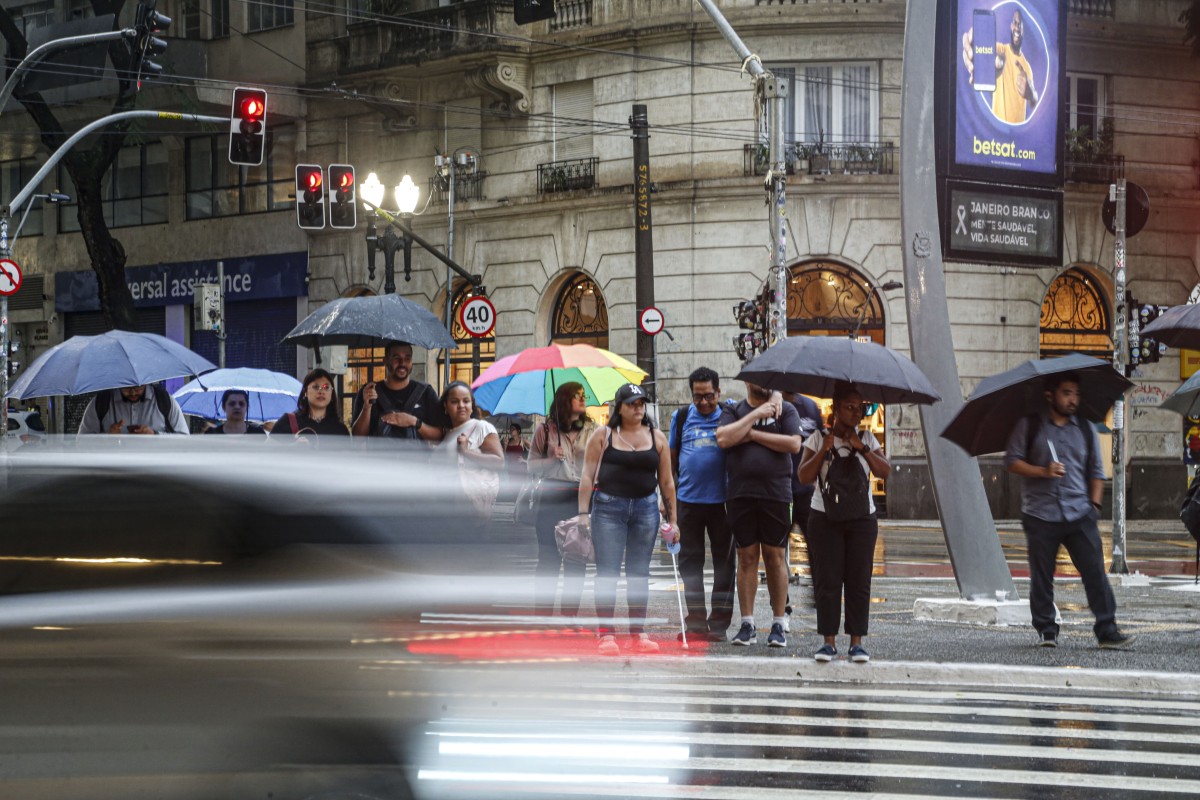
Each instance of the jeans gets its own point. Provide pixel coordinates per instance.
(840, 557)
(694, 520)
(1081, 537)
(623, 529)
(549, 560)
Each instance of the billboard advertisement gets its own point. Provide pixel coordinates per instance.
(1006, 90)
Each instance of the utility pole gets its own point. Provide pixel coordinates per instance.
(643, 242)
(221, 324)
(1116, 192)
(5, 252)
(770, 93)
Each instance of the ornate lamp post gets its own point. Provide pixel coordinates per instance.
(406, 194)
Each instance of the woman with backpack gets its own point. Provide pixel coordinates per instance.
(316, 409)
(555, 460)
(842, 524)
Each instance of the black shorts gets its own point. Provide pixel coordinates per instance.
(757, 521)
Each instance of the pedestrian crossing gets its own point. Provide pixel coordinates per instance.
(657, 731)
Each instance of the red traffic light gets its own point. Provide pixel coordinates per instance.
(252, 108)
(312, 180)
(345, 180)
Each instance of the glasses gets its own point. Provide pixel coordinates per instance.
(320, 387)
(707, 397)
(581, 396)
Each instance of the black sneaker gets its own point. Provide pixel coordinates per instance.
(858, 654)
(746, 635)
(1115, 640)
(1049, 639)
(826, 654)
(776, 637)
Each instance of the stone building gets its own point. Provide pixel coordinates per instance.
(536, 121)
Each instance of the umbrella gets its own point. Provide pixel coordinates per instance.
(524, 383)
(272, 394)
(367, 321)
(1178, 326)
(984, 423)
(813, 364)
(111, 360)
(1186, 399)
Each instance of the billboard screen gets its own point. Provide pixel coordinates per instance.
(1006, 86)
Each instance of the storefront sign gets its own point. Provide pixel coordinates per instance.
(1006, 77)
(253, 278)
(1003, 225)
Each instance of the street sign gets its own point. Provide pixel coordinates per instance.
(651, 321)
(10, 276)
(1137, 210)
(477, 317)
(1003, 224)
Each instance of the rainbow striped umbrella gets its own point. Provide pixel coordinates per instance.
(525, 383)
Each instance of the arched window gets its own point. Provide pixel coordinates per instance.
(1075, 317)
(580, 314)
(827, 299)
(471, 355)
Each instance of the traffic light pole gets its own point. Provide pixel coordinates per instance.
(66, 43)
(401, 226)
(1120, 362)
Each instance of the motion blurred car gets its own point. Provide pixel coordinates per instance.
(24, 427)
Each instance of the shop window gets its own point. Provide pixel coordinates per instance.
(580, 314)
(1075, 317)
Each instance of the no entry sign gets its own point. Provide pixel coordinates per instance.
(10, 276)
(651, 321)
(477, 316)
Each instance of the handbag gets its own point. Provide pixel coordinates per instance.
(525, 510)
(574, 543)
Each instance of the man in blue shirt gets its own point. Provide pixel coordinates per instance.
(700, 466)
(1061, 487)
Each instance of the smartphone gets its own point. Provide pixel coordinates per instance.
(983, 42)
(131, 428)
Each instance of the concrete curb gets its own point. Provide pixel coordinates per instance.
(994, 676)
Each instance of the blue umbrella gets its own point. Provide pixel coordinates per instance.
(111, 360)
(272, 394)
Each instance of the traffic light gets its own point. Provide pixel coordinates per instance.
(310, 197)
(1150, 350)
(343, 197)
(14, 367)
(527, 11)
(248, 127)
(148, 22)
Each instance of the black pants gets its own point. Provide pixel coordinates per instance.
(695, 519)
(801, 506)
(1081, 537)
(841, 556)
(552, 510)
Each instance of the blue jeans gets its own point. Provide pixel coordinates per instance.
(623, 529)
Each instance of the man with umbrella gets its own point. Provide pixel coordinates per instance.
(399, 407)
(1057, 456)
(133, 409)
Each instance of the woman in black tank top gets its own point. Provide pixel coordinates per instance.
(626, 461)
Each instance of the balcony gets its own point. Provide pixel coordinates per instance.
(468, 186)
(1091, 8)
(1100, 169)
(849, 158)
(428, 34)
(566, 176)
(571, 14)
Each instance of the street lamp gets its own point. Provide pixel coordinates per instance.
(862, 312)
(448, 168)
(406, 193)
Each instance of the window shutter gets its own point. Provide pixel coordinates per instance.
(573, 120)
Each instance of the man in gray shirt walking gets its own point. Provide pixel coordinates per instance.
(1057, 456)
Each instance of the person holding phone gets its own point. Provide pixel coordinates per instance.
(138, 410)
(1015, 95)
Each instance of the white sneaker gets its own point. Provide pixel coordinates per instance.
(644, 644)
(608, 646)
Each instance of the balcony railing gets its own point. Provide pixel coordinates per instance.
(565, 176)
(1101, 169)
(570, 14)
(468, 186)
(1091, 8)
(850, 158)
(441, 32)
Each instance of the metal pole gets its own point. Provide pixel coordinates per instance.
(643, 241)
(1120, 363)
(5, 252)
(65, 43)
(775, 90)
(449, 276)
(221, 323)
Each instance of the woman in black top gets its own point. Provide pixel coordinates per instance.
(626, 461)
(316, 409)
(235, 403)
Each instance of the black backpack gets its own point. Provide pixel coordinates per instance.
(161, 399)
(1189, 513)
(844, 487)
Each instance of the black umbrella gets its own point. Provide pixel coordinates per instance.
(814, 364)
(367, 321)
(985, 421)
(1178, 326)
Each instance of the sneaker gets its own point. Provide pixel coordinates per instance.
(644, 644)
(609, 646)
(746, 635)
(858, 654)
(776, 638)
(826, 654)
(1115, 639)
(1049, 639)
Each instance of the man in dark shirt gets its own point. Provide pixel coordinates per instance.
(1059, 506)
(761, 434)
(399, 407)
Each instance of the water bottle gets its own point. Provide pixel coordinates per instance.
(665, 530)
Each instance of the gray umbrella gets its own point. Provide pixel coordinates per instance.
(111, 360)
(369, 321)
(1186, 399)
(1178, 326)
(814, 364)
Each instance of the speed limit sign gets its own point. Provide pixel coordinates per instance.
(477, 316)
